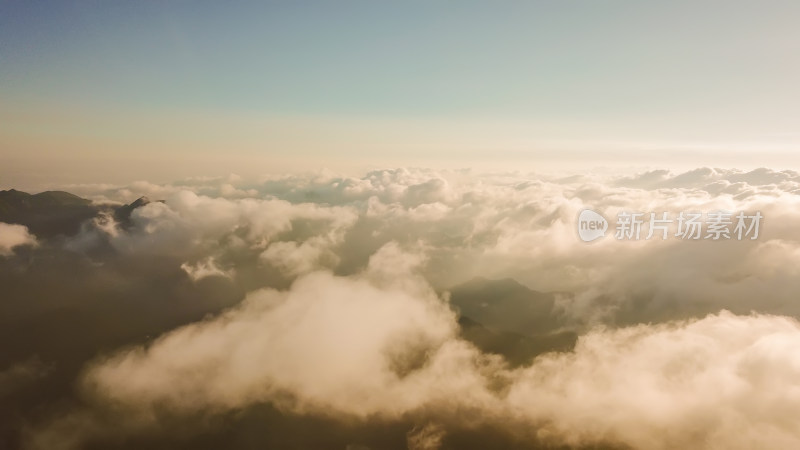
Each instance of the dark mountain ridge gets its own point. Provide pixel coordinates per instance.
(57, 213)
(48, 213)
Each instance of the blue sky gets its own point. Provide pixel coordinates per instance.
(398, 83)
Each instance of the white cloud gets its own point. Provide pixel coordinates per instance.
(344, 347)
(330, 342)
(495, 226)
(12, 236)
(363, 333)
(724, 381)
(204, 268)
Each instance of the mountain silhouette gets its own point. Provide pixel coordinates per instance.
(517, 349)
(506, 305)
(123, 213)
(46, 214)
(57, 213)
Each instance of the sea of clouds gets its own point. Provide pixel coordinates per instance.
(345, 309)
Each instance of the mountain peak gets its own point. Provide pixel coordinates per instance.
(123, 213)
(141, 201)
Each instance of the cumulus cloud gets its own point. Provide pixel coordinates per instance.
(332, 342)
(348, 313)
(360, 346)
(12, 236)
(724, 381)
(494, 226)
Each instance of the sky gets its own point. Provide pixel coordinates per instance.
(119, 91)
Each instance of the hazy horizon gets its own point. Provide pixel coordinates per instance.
(118, 93)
